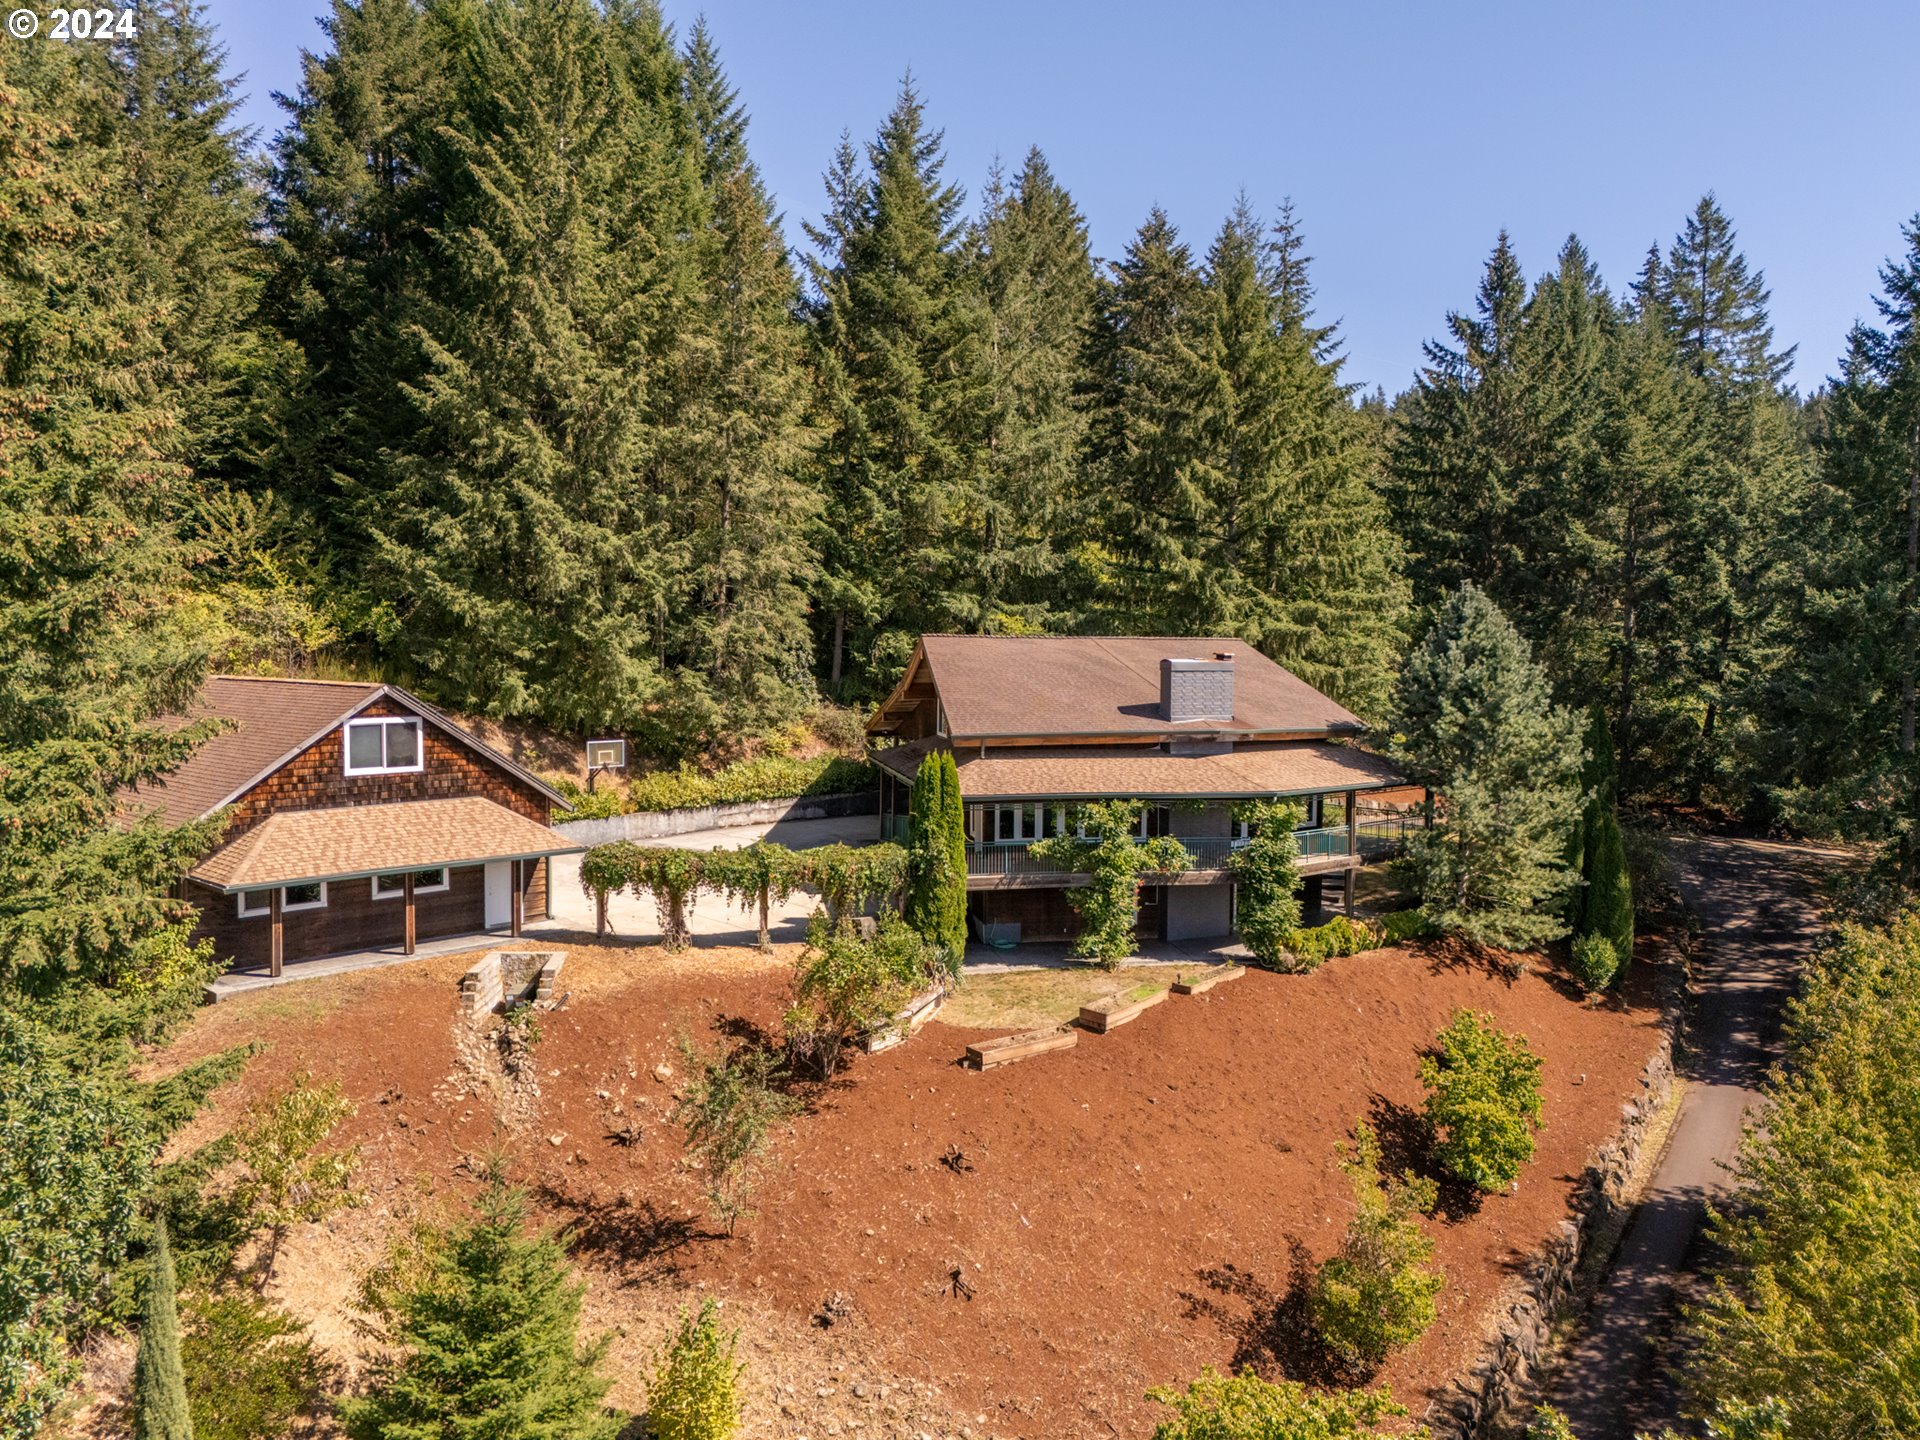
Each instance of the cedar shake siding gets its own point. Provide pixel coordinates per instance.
(278, 769)
(317, 778)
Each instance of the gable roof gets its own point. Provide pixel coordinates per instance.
(273, 721)
(1005, 686)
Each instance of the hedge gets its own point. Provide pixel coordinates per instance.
(771, 777)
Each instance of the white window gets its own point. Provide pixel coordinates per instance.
(383, 747)
(425, 882)
(292, 897)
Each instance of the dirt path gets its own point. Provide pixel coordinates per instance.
(1754, 899)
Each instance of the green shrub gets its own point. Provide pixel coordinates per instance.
(1483, 1101)
(1375, 1294)
(250, 1368)
(695, 1389)
(483, 1338)
(1339, 936)
(1549, 1424)
(1245, 1407)
(728, 1109)
(769, 777)
(609, 799)
(845, 987)
(1399, 926)
(1595, 962)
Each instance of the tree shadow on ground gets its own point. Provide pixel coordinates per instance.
(1406, 1143)
(639, 1240)
(1271, 1332)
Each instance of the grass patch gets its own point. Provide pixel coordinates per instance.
(1035, 999)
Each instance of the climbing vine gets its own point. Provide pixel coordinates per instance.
(1113, 859)
(845, 877)
(1266, 874)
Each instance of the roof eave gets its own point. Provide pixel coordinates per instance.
(337, 877)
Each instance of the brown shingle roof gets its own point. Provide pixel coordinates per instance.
(1007, 685)
(300, 846)
(273, 720)
(1138, 772)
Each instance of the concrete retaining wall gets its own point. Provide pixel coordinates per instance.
(658, 824)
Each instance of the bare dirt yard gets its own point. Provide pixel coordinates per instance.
(1118, 1215)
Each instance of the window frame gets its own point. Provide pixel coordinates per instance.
(446, 883)
(287, 907)
(384, 722)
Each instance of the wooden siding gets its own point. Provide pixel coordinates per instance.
(316, 778)
(353, 920)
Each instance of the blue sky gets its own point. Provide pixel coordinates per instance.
(1407, 134)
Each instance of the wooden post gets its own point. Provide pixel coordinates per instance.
(1353, 824)
(406, 895)
(599, 912)
(1426, 810)
(517, 911)
(276, 960)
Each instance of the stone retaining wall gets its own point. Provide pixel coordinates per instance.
(1483, 1401)
(657, 824)
(502, 975)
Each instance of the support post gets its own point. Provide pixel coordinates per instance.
(406, 896)
(276, 960)
(517, 911)
(1353, 824)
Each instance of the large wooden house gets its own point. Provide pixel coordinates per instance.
(1188, 726)
(359, 818)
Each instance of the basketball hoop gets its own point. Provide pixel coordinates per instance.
(604, 755)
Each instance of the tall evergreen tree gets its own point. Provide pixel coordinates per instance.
(192, 211)
(936, 901)
(889, 325)
(350, 207)
(1846, 709)
(1750, 476)
(159, 1382)
(743, 443)
(1475, 721)
(1464, 444)
(1030, 284)
(1255, 516)
(523, 542)
(487, 1343)
(90, 565)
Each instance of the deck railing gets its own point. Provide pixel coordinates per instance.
(1377, 838)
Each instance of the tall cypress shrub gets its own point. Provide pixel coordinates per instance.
(936, 903)
(159, 1381)
(953, 820)
(1603, 905)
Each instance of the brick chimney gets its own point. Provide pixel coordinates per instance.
(1197, 689)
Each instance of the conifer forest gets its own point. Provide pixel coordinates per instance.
(497, 373)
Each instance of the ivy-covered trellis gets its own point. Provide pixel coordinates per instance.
(1266, 874)
(1108, 851)
(845, 877)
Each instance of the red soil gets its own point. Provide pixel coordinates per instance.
(1137, 1208)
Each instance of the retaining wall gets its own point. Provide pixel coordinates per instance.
(657, 824)
(502, 975)
(1483, 1402)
